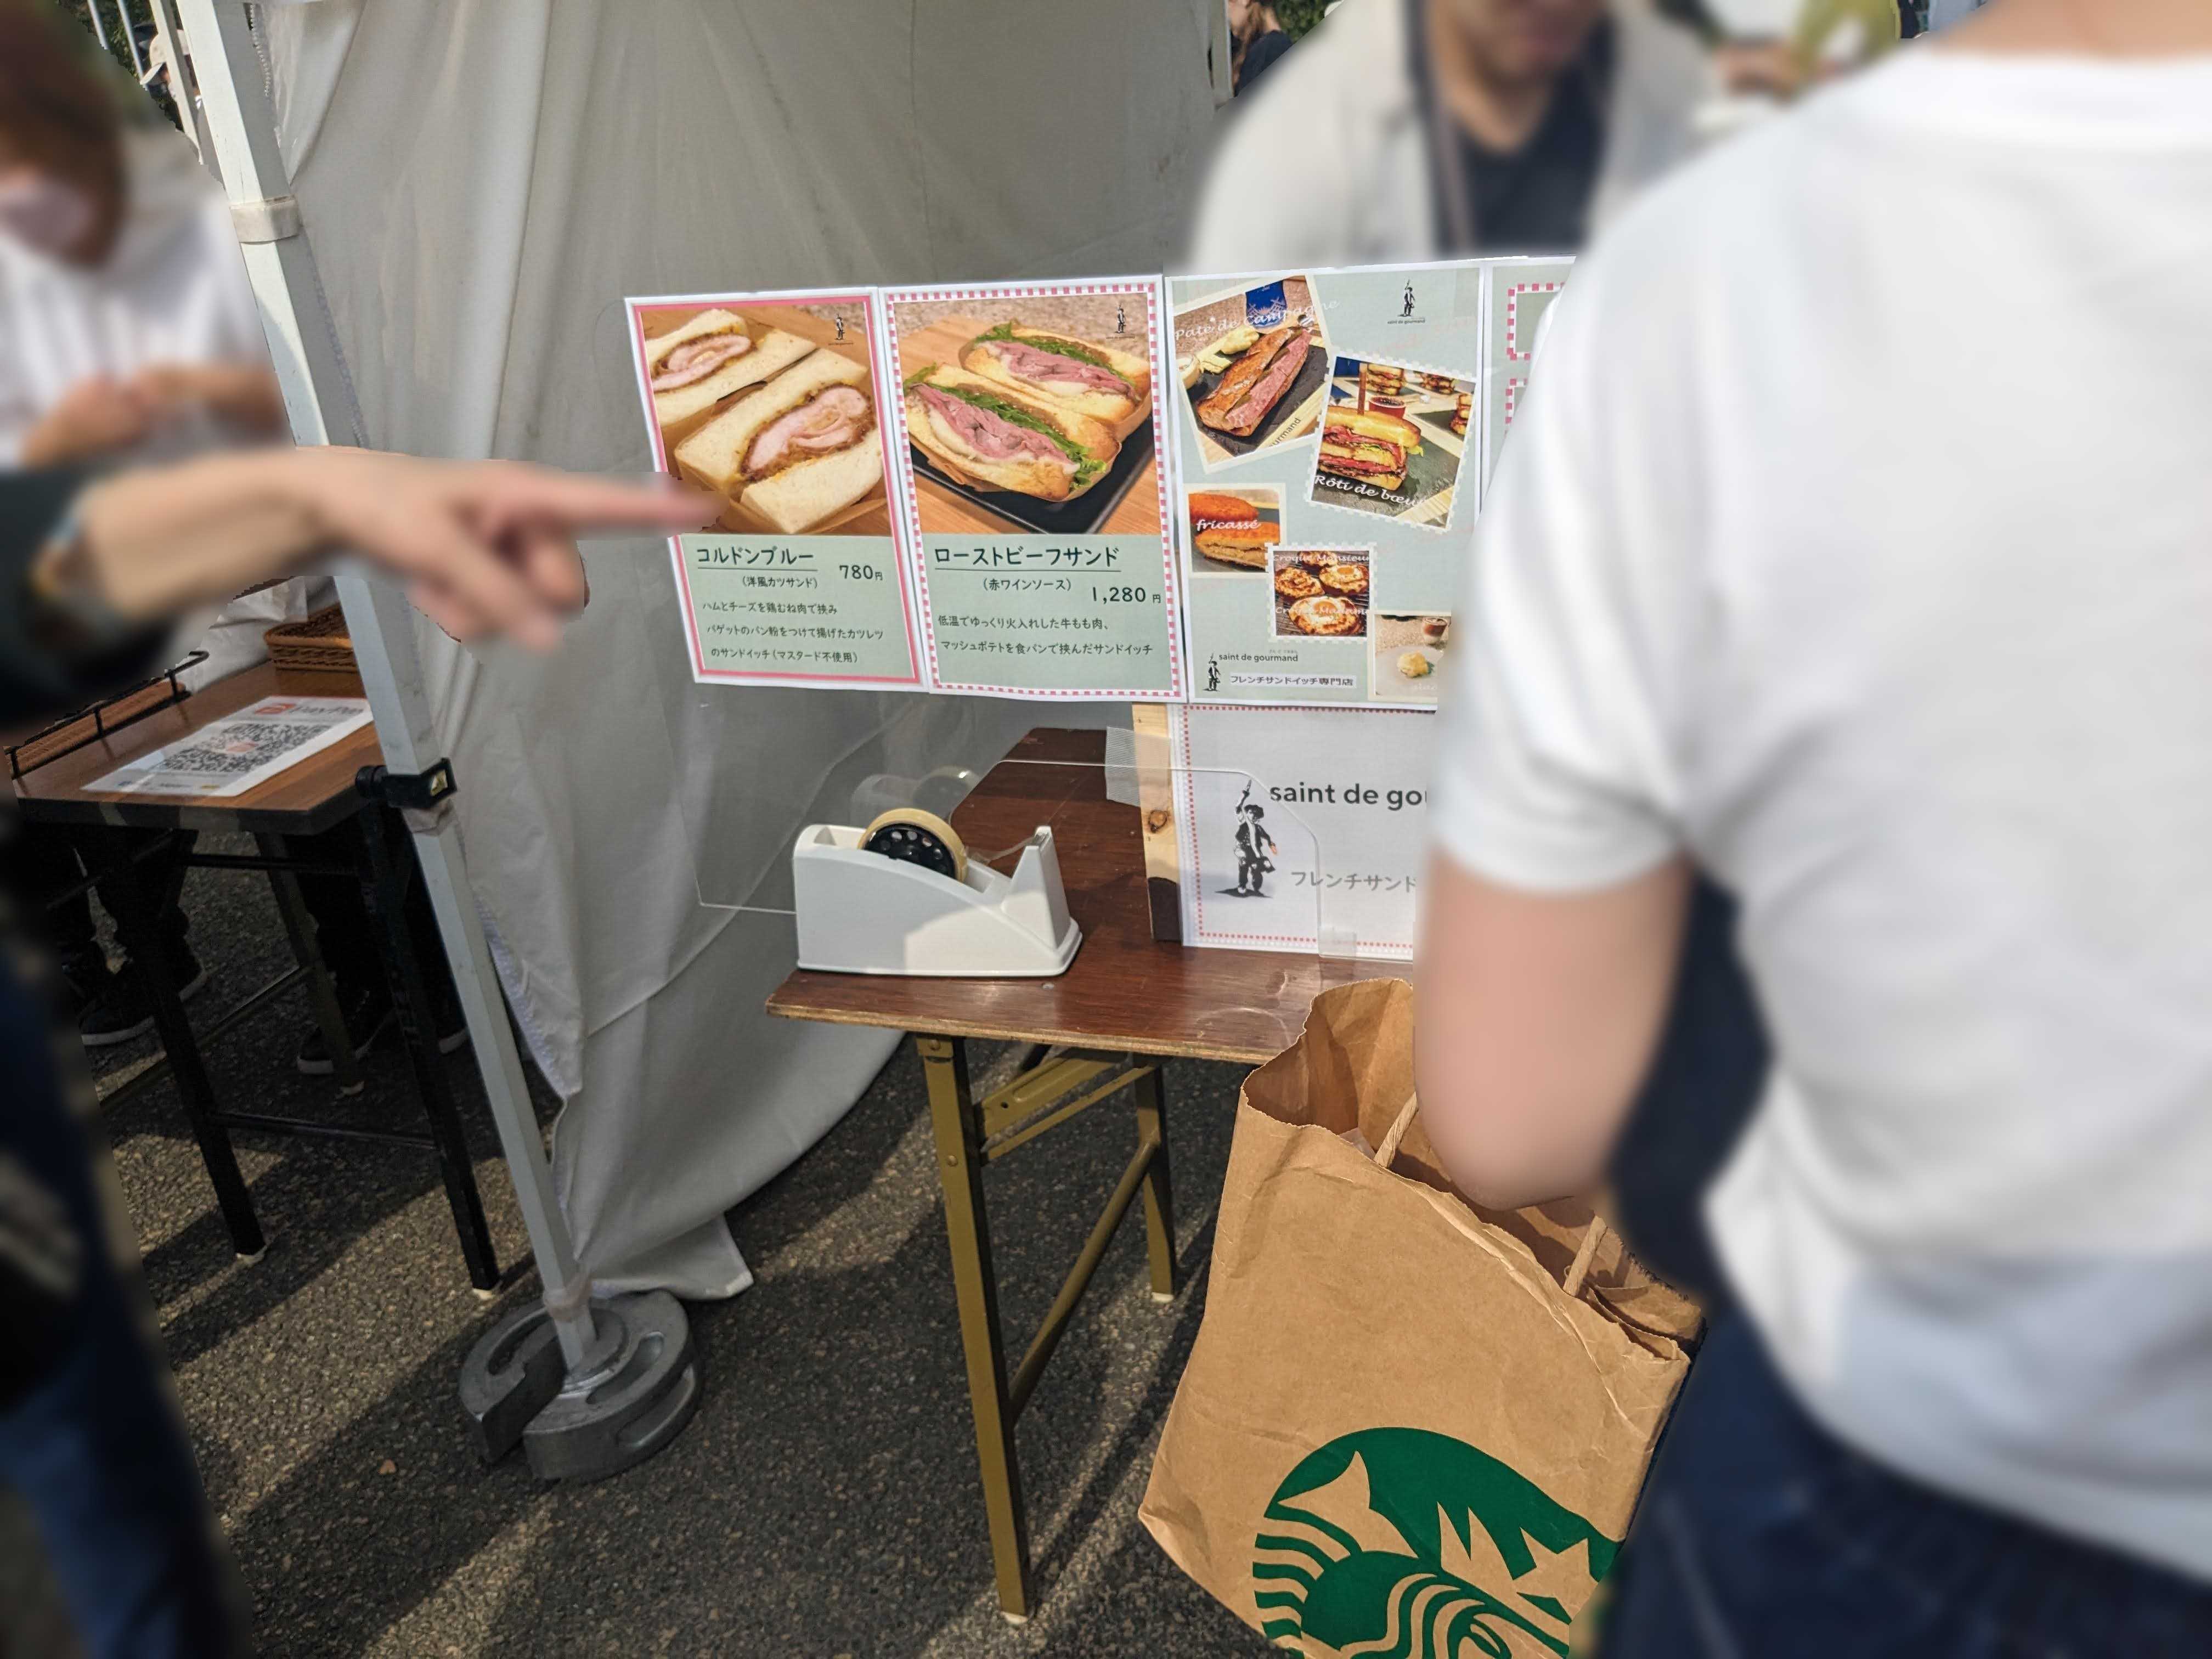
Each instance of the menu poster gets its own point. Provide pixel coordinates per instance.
(1300, 829)
(1522, 292)
(1031, 454)
(774, 403)
(1325, 420)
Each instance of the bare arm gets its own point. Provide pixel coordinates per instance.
(1536, 1014)
(483, 547)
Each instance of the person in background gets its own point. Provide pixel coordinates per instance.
(1938, 717)
(1408, 129)
(90, 577)
(129, 333)
(1257, 39)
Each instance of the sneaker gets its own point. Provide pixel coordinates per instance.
(80, 980)
(368, 1014)
(124, 1010)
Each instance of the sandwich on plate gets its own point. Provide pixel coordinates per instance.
(694, 367)
(985, 433)
(1255, 382)
(1106, 385)
(1361, 444)
(799, 450)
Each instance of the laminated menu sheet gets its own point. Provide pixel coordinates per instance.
(232, 755)
(1254, 489)
(1033, 458)
(773, 404)
(1329, 427)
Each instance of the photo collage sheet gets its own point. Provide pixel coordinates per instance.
(1335, 436)
(1247, 497)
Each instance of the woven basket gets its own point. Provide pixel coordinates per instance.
(319, 641)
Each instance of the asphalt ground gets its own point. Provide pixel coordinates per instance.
(823, 1502)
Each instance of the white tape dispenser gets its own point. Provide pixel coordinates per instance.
(901, 898)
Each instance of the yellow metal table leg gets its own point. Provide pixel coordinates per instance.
(1151, 1094)
(959, 1129)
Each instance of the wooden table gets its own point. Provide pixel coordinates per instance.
(317, 793)
(1127, 1003)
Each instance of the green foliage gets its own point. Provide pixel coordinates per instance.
(1299, 16)
(111, 36)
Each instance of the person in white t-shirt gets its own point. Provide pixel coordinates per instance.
(1939, 716)
(128, 335)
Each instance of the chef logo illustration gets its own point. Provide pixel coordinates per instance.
(841, 328)
(1254, 849)
(1406, 1542)
(1408, 308)
(1121, 318)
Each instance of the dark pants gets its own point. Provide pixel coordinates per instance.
(1762, 1534)
(345, 934)
(52, 860)
(89, 1439)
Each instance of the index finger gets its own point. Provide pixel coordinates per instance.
(582, 504)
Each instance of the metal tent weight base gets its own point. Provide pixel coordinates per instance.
(631, 1398)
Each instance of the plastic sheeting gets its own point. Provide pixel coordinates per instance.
(482, 185)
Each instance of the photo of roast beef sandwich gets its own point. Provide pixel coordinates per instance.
(985, 433)
(1255, 382)
(1371, 448)
(1091, 378)
(798, 451)
(694, 367)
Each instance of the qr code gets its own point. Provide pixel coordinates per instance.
(245, 746)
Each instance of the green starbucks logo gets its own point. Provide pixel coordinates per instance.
(1401, 1544)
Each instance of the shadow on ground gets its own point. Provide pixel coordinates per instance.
(825, 1500)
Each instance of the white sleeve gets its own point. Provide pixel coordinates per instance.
(1556, 759)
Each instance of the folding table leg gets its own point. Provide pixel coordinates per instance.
(959, 1129)
(137, 925)
(1151, 1093)
(322, 993)
(385, 890)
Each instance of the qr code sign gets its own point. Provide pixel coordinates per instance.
(245, 745)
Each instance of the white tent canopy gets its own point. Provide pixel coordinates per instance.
(483, 184)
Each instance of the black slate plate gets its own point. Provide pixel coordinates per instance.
(1309, 382)
(1082, 516)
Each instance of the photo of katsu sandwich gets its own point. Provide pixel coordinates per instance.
(1369, 447)
(692, 369)
(798, 451)
(986, 432)
(1093, 380)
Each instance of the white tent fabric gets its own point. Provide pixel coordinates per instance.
(482, 185)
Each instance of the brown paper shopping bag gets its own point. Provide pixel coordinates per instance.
(1408, 1427)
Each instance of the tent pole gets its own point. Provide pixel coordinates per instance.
(319, 397)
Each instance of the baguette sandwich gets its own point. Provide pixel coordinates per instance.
(797, 450)
(1106, 385)
(985, 432)
(1255, 382)
(693, 368)
(1364, 445)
